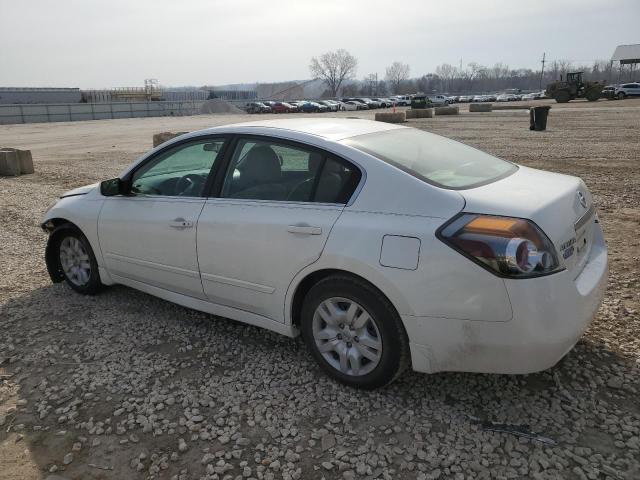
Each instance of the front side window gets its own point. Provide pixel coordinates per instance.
(266, 170)
(432, 158)
(181, 171)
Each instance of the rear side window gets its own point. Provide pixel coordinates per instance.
(432, 158)
(277, 171)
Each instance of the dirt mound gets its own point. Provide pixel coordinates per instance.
(217, 105)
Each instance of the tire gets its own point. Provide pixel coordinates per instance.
(621, 95)
(70, 248)
(374, 353)
(562, 97)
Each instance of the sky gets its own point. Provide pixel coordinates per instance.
(103, 44)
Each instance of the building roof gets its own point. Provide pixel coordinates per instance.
(39, 89)
(627, 54)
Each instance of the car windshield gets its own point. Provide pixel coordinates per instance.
(434, 159)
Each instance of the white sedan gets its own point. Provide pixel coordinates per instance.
(385, 246)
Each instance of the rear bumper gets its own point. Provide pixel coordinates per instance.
(550, 314)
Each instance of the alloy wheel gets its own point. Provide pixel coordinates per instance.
(74, 261)
(347, 336)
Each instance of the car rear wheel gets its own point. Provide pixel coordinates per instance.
(354, 332)
(76, 261)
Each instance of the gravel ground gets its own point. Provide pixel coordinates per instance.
(124, 385)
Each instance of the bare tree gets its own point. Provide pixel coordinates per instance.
(396, 74)
(447, 73)
(334, 68)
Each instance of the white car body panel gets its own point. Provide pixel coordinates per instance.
(250, 250)
(244, 259)
(138, 241)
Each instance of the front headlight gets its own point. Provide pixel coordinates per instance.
(509, 247)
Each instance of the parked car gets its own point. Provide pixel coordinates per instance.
(383, 102)
(283, 107)
(402, 100)
(438, 100)
(358, 101)
(609, 92)
(331, 107)
(465, 98)
(299, 236)
(257, 107)
(529, 96)
(310, 107)
(507, 97)
(360, 105)
(352, 105)
(478, 98)
(453, 99)
(628, 90)
(372, 104)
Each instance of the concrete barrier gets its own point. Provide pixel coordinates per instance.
(480, 107)
(160, 138)
(25, 160)
(419, 113)
(447, 110)
(391, 117)
(9, 163)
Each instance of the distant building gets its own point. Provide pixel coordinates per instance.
(627, 55)
(12, 95)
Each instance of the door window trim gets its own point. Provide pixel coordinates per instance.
(227, 140)
(215, 190)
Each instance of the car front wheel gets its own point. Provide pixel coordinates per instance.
(621, 95)
(76, 261)
(354, 332)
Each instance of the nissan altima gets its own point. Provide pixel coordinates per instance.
(384, 246)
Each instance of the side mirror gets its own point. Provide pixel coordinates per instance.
(113, 187)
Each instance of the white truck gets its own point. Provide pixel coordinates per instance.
(438, 100)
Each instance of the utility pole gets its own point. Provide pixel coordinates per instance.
(544, 55)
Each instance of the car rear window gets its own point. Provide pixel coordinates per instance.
(432, 158)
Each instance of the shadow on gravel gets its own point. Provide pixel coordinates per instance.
(110, 377)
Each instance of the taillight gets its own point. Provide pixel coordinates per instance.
(512, 247)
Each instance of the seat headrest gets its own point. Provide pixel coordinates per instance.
(261, 163)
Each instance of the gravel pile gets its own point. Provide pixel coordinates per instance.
(217, 105)
(124, 385)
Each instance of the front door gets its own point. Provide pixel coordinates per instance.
(150, 235)
(276, 208)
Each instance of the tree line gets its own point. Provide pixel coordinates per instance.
(338, 69)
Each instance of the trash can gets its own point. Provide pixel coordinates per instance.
(538, 118)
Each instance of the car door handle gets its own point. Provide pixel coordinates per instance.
(304, 229)
(180, 223)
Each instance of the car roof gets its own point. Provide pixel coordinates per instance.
(329, 128)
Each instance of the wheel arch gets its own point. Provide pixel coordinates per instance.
(307, 280)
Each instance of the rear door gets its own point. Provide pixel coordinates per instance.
(275, 209)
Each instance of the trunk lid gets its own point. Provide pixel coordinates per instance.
(561, 205)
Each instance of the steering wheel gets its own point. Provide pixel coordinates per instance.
(189, 184)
